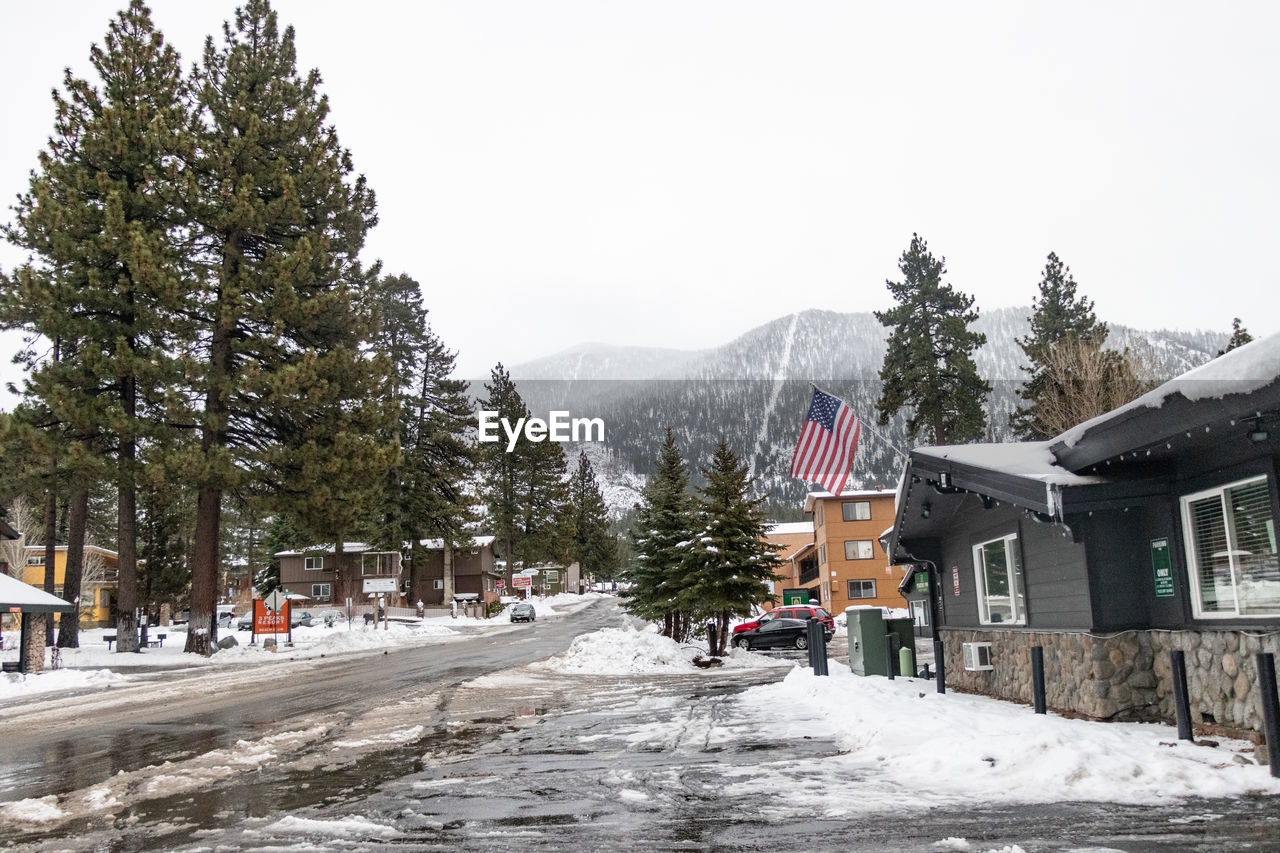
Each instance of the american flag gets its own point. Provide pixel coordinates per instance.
(827, 443)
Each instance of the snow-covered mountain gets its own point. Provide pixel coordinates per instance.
(754, 392)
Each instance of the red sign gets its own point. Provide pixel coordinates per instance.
(270, 622)
(521, 581)
(500, 583)
(955, 579)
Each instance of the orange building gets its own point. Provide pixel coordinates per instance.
(851, 566)
(793, 540)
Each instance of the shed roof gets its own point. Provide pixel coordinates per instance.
(29, 599)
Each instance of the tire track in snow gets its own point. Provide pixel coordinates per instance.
(779, 377)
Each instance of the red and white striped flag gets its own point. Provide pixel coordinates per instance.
(827, 443)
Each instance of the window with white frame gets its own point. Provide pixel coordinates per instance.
(858, 549)
(1230, 537)
(438, 583)
(321, 591)
(856, 510)
(997, 567)
(35, 560)
(313, 563)
(862, 589)
(818, 507)
(822, 555)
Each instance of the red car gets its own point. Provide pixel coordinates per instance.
(791, 611)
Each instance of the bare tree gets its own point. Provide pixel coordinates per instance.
(26, 522)
(1086, 380)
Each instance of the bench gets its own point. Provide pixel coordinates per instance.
(11, 666)
(157, 642)
(108, 639)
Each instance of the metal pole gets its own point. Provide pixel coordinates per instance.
(1037, 677)
(1181, 706)
(940, 669)
(889, 655)
(1270, 708)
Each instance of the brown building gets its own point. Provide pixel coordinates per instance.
(325, 577)
(475, 570)
(852, 567)
(793, 541)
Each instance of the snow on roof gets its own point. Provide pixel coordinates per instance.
(797, 552)
(851, 493)
(789, 528)
(1241, 371)
(15, 593)
(39, 549)
(1029, 459)
(347, 547)
(438, 544)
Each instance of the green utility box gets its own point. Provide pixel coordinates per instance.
(868, 630)
(866, 640)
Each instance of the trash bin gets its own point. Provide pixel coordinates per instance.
(903, 631)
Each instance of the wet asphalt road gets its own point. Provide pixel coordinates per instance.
(536, 760)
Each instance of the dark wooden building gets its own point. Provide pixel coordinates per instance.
(1148, 529)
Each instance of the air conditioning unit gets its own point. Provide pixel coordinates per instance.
(977, 656)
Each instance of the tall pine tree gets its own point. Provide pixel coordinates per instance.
(1058, 315)
(728, 563)
(662, 531)
(289, 394)
(929, 364)
(109, 273)
(501, 474)
(592, 546)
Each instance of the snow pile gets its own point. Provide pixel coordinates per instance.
(14, 684)
(347, 827)
(953, 749)
(34, 810)
(622, 651)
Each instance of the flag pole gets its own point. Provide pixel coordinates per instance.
(865, 426)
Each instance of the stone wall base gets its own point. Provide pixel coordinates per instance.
(1124, 676)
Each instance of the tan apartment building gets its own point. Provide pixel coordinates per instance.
(793, 542)
(851, 566)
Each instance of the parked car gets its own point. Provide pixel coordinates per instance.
(790, 611)
(329, 618)
(523, 613)
(245, 622)
(776, 633)
(299, 617)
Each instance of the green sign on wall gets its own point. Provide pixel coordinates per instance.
(1162, 566)
(795, 596)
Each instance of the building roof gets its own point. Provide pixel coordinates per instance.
(1030, 459)
(39, 549)
(808, 546)
(813, 497)
(789, 528)
(438, 544)
(347, 548)
(29, 599)
(1223, 395)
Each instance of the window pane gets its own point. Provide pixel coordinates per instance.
(858, 549)
(1253, 548)
(1015, 575)
(995, 577)
(1213, 564)
(855, 510)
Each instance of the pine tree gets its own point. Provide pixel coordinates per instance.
(109, 273)
(1058, 315)
(728, 563)
(501, 473)
(929, 363)
(290, 396)
(662, 531)
(544, 498)
(425, 493)
(1239, 337)
(593, 546)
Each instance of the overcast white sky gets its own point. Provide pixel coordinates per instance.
(675, 173)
